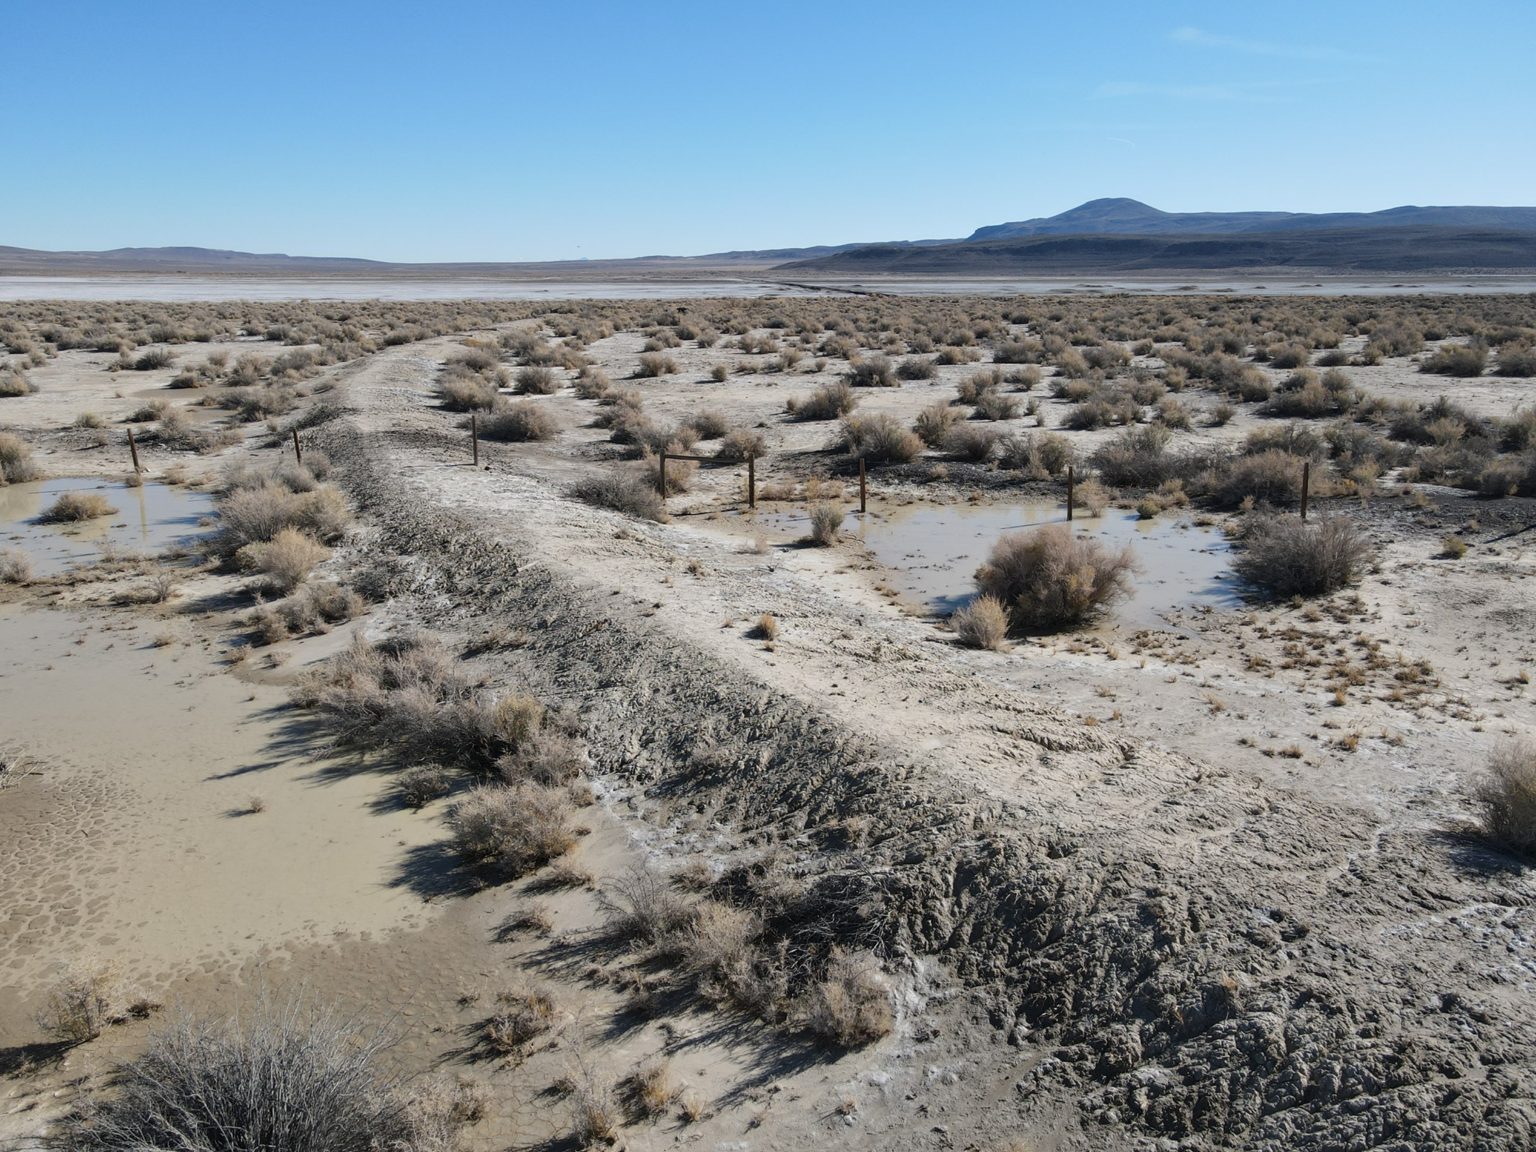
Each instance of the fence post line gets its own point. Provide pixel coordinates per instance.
(751, 481)
(661, 474)
(1071, 489)
(298, 453)
(863, 487)
(1306, 485)
(133, 450)
(474, 438)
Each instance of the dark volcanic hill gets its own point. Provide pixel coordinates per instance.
(1119, 235)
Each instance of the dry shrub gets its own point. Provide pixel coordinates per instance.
(81, 1005)
(419, 786)
(280, 1081)
(71, 507)
(1091, 497)
(522, 421)
(257, 513)
(828, 402)
(880, 439)
(312, 611)
(1456, 360)
(996, 406)
(520, 1016)
(1270, 477)
(874, 372)
(1507, 797)
(642, 906)
(594, 1119)
(654, 364)
(852, 1005)
(414, 699)
(547, 756)
(512, 830)
(1516, 360)
(1040, 454)
(1286, 556)
(16, 465)
(968, 442)
(536, 381)
(14, 382)
(651, 1088)
(718, 950)
(286, 560)
(15, 566)
(934, 423)
(983, 623)
(1137, 458)
(709, 424)
(1050, 579)
(741, 445)
(826, 524)
(632, 493)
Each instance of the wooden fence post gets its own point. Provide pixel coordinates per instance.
(661, 474)
(474, 438)
(751, 482)
(1071, 486)
(133, 450)
(1306, 485)
(863, 487)
(298, 453)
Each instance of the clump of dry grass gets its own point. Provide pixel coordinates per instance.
(765, 628)
(312, 611)
(1049, 579)
(1456, 360)
(983, 623)
(536, 381)
(512, 829)
(72, 507)
(874, 372)
(1507, 797)
(828, 402)
(15, 566)
(256, 505)
(653, 365)
(852, 1005)
(286, 560)
(14, 382)
(740, 445)
(520, 1016)
(522, 421)
(826, 524)
(879, 439)
(1287, 556)
(419, 786)
(651, 1088)
(16, 464)
(641, 906)
(632, 493)
(934, 423)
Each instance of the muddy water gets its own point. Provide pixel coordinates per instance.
(932, 553)
(148, 519)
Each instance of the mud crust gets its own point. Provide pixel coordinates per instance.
(1283, 978)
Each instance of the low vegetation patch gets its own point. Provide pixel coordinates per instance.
(72, 507)
(1507, 798)
(630, 492)
(16, 464)
(1287, 556)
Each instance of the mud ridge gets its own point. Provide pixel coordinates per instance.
(1274, 982)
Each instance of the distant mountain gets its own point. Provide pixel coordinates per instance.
(1101, 236)
(1122, 217)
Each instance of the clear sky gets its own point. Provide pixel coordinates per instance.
(462, 130)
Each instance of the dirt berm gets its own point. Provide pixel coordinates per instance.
(1198, 955)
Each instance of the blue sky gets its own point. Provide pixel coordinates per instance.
(512, 131)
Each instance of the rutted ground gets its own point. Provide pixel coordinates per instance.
(1205, 950)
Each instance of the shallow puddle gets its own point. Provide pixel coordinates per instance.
(933, 553)
(148, 519)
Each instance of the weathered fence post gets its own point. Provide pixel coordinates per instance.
(661, 474)
(1071, 489)
(863, 486)
(751, 482)
(474, 438)
(133, 450)
(1306, 485)
(298, 453)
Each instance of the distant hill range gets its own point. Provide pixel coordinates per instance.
(1101, 236)
(1120, 235)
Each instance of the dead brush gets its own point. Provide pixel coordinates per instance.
(766, 628)
(16, 464)
(82, 1004)
(521, 1016)
(651, 1089)
(512, 830)
(286, 560)
(983, 623)
(642, 906)
(72, 507)
(1506, 798)
(851, 1006)
(826, 524)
